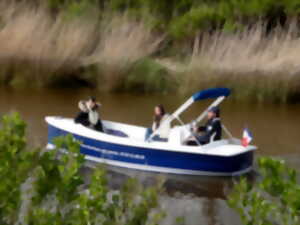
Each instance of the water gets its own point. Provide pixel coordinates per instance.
(200, 200)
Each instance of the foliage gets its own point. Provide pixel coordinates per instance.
(117, 45)
(146, 76)
(273, 199)
(15, 165)
(187, 16)
(45, 187)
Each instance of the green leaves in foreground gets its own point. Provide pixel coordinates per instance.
(45, 187)
(273, 199)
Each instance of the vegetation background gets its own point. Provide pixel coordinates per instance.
(153, 46)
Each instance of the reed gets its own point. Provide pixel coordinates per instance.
(40, 49)
(117, 53)
(123, 42)
(255, 64)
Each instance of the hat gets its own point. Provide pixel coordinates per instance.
(82, 106)
(215, 110)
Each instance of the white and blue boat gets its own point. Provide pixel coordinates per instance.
(124, 145)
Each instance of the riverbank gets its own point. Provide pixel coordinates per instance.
(119, 53)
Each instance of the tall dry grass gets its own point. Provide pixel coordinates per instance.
(254, 63)
(35, 46)
(122, 43)
(40, 48)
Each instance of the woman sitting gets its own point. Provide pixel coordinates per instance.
(88, 115)
(159, 125)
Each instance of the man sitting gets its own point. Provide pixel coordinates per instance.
(213, 127)
(212, 131)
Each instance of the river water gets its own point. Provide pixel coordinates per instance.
(199, 200)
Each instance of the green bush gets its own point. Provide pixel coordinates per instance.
(182, 17)
(45, 187)
(175, 14)
(273, 199)
(146, 76)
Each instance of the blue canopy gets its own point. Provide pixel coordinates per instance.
(211, 93)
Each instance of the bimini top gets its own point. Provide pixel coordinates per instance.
(211, 93)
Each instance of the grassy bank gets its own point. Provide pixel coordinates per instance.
(110, 51)
(257, 66)
(41, 50)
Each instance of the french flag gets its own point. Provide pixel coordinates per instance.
(247, 137)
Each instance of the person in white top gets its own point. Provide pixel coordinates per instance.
(159, 125)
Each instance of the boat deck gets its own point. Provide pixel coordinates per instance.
(132, 135)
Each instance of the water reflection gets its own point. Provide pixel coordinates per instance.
(196, 200)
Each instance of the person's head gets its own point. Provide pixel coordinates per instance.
(159, 110)
(213, 112)
(91, 102)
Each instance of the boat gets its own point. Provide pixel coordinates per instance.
(124, 145)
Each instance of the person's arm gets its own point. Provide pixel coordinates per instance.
(202, 129)
(154, 126)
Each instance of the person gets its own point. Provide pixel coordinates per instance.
(212, 131)
(83, 116)
(88, 115)
(158, 125)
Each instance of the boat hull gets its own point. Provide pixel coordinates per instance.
(157, 160)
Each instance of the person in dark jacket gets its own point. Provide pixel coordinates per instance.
(88, 115)
(212, 131)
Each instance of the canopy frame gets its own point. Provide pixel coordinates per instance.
(219, 93)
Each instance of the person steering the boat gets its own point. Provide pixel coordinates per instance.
(163, 129)
(212, 131)
(88, 115)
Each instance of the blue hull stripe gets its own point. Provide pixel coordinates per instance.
(158, 158)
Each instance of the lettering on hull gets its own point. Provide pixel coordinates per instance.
(114, 153)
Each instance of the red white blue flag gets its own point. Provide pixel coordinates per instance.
(247, 137)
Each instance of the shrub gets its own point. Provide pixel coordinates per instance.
(273, 199)
(45, 187)
(147, 76)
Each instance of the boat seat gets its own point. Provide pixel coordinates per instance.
(177, 135)
(116, 133)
